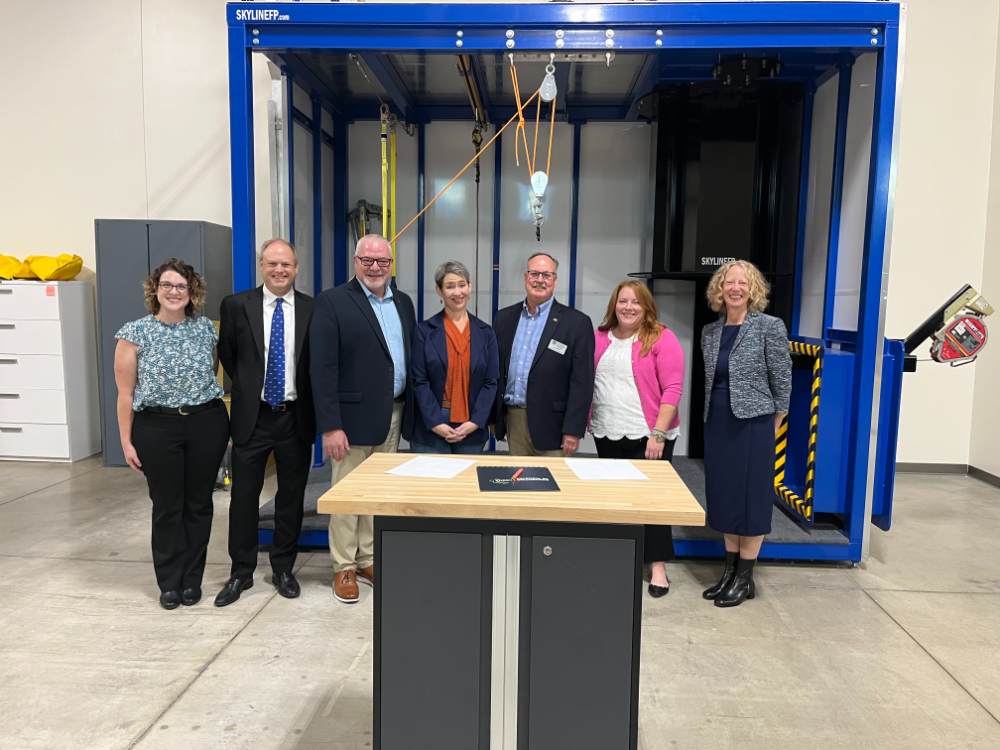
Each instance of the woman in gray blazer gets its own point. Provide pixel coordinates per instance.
(748, 381)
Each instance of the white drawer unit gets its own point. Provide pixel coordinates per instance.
(49, 397)
(32, 371)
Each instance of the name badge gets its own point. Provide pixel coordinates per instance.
(557, 347)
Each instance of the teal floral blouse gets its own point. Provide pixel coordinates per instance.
(175, 361)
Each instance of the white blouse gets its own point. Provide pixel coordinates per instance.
(617, 408)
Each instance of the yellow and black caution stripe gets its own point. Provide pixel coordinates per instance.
(801, 506)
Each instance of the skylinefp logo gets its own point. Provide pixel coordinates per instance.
(260, 14)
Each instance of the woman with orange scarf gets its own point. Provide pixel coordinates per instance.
(456, 366)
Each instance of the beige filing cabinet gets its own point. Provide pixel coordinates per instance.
(49, 403)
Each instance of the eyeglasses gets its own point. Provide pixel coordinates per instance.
(382, 262)
(166, 286)
(536, 275)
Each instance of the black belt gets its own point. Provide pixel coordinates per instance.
(186, 410)
(400, 399)
(283, 406)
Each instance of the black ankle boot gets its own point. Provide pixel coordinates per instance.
(741, 587)
(727, 577)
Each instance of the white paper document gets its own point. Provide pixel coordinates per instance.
(603, 468)
(433, 467)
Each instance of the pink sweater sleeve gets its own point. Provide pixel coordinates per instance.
(669, 367)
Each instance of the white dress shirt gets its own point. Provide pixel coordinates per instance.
(288, 310)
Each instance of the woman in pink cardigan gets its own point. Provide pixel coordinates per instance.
(639, 376)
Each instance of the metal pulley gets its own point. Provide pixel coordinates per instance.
(548, 90)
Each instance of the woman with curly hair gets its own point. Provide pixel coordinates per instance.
(639, 376)
(173, 425)
(748, 381)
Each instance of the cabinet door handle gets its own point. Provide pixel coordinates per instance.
(11, 429)
(7, 326)
(8, 361)
(10, 395)
(6, 291)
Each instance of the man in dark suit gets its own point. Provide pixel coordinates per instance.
(264, 346)
(546, 368)
(360, 337)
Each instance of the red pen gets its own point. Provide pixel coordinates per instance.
(517, 473)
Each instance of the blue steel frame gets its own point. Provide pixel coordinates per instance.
(809, 28)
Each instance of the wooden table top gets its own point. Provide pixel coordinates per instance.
(662, 499)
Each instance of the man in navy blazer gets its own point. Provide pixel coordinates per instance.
(360, 341)
(546, 368)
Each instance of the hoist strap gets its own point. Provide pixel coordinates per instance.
(392, 195)
(385, 173)
(538, 119)
(471, 162)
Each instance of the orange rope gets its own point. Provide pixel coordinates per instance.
(471, 162)
(552, 129)
(520, 115)
(538, 117)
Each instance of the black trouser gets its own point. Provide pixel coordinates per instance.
(180, 457)
(276, 431)
(659, 546)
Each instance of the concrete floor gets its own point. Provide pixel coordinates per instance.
(904, 653)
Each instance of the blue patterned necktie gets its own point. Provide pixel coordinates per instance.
(274, 378)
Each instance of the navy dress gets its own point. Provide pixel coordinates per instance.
(739, 458)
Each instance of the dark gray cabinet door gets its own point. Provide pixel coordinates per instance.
(432, 641)
(122, 266)
(176, 239)
(583, 596)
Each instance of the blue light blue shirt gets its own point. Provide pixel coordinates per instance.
(392, 329)
(526, 340)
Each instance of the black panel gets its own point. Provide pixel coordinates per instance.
(430, 658)
(581, 651)
(122, 265)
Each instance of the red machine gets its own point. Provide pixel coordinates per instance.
(958, 328)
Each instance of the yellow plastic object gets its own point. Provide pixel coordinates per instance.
(12, 268)
(47, 268)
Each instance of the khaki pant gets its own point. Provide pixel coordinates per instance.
(352, 538)
(518, 437)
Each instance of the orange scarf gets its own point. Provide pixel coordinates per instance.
(456, 389)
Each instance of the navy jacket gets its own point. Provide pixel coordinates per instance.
(430, 373)
(560, 386)
(351, 368)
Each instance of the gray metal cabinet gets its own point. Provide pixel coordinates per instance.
(530, 642)
(128, 250)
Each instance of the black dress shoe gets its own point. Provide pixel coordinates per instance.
(232, 590)
(657, 591)
(170, 599)
(742, 587)
(288, 587)
(727, 577)
(191, 596)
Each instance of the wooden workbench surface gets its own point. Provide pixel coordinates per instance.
(662, 499)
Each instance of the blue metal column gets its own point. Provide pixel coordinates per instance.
(575, 216)
(289, 123)
(317, 185)
(837, 194)
(340, 256)
(800, 240)
(871, 310)
(421, 135)
(241, 145)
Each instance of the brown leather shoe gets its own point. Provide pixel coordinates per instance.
(345, 587)
(367, 575)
